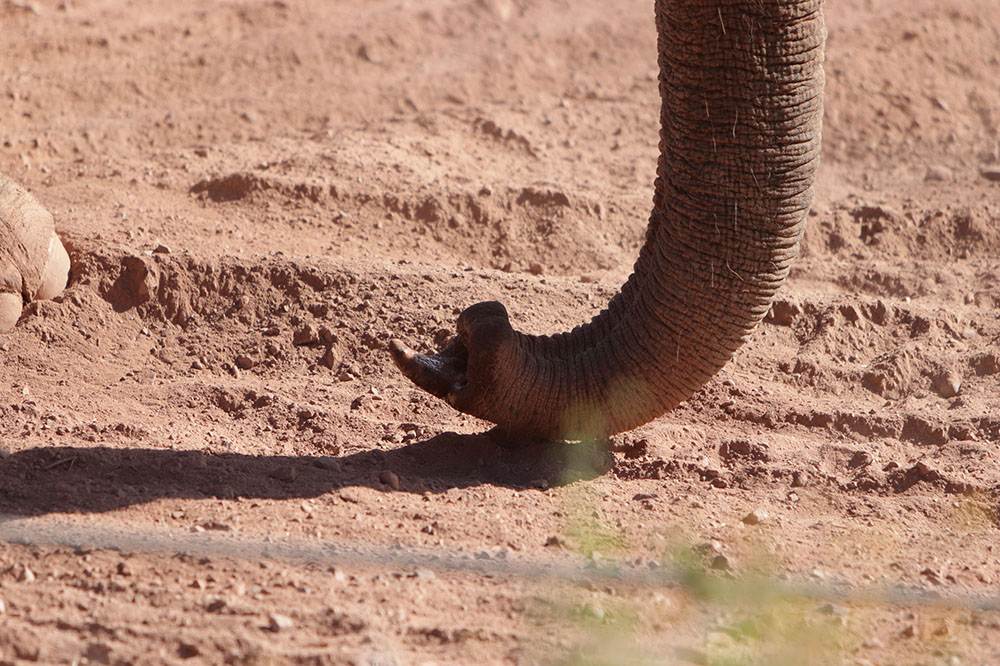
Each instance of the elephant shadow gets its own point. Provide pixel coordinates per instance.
(69, 479)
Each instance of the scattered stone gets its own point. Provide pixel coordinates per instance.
(832, 610)
(26, 575)
(99, 653)
(215, 526)
(938, 173)
(860, 459)
(783, 312)
(187, 650)
(389, 478)
(708, 548)
(306, 335)
(850, 313)
(365, 52)
(721, 563)
(932, 576)
(879, 313)
(216, 605)
(244, 362)
(555, 542)
(277, 622)
(632, 448)
(329, 358)
(594, 612)
(991, 173)
(948, 383)
(755, 517)
(986, 364)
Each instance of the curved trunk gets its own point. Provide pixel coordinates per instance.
(741, 84)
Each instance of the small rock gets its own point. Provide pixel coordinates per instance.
(424, 574)
(244, 362)
(931, 575)
(755, 517)
(593, 611)
(161, 249)
(4, 453)
(948, 384)
(832, 610)
(991, 173)
(306, 335)
(938, 173)
(98, 653)
(389, 478)
(188, 650)
(26, 575)
(277, 622)
(850, 313)
(721, 563)
(216, 605)
(535, 268)
(554, 541)
(329, 359)
(365, 52)
(784, 312)
(708, 548)
(860, 459)
(909, 631)
(541, 484)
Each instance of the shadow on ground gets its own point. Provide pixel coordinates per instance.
(68, 479)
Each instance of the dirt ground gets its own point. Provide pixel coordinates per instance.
(208, 457)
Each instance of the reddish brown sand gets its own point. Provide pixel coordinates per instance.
(212, 459)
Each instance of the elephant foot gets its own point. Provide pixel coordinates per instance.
(55, 275)
(10, 310)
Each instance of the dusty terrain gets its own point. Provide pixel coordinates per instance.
(208, 457)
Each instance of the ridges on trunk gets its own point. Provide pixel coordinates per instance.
(741, 85)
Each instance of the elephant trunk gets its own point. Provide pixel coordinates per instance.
(741, 84)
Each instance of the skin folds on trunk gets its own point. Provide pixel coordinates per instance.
(741, 84)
